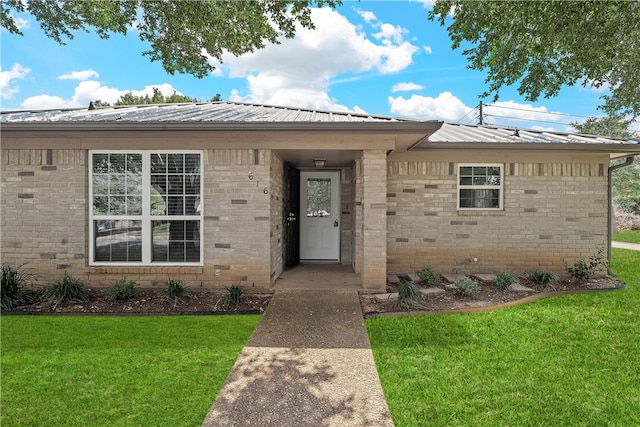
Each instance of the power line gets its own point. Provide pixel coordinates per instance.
(536, 111)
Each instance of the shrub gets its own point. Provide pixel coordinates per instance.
(464, 285)
(409, 294)
(122, 290)
(13, 280)
(428, 276)
(584, 271)
(503, 280)
(173, 288)
(67, 289)
(233, 294)
(543, 277)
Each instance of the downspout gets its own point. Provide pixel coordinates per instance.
(628, 161)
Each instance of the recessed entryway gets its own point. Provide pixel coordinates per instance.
(319, 276)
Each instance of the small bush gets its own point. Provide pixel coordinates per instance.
(409, 295)
(503, 281)
(173, 288)
(583, 270)
(67, 289)
(233, 295)
(543, 277)
(428, 276)
(122, 290)
(13, 280)
(465, 285)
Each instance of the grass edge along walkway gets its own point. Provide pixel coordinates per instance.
(125, 371)
(567, 360)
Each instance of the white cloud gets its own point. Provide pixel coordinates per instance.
(427, 3)
(88, 91)
(427, 49)
(366, 15)
(79, 75)
(443, 107)
(21, 23)
(7, 84)
(298, 72)
(405, 87)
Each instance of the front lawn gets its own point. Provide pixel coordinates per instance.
(568, 360)
(116, 371)
(627, 236)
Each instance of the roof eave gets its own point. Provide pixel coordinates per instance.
(592, 147)
(390, 126)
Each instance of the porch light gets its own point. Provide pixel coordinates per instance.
(319, 162)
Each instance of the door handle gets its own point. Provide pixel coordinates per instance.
(335, 223)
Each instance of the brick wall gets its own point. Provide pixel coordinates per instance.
(551, 211)
(45, 212)
(44, 208)
(278, 221)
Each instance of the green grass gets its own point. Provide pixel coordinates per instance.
(626, 236)
(564, 361)
(116, 371)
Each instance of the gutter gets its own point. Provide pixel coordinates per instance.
(628, 161)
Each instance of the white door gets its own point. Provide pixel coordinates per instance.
(320, 215)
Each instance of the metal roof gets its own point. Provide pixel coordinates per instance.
(182, 115)
(450, 134)
(193, 112)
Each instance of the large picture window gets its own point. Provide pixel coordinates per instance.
(146, 207)
(480, 187)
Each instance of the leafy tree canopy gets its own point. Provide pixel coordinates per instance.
(180, 33)
(625, 183)
(616, 126)
(157, 98)
(543, 45)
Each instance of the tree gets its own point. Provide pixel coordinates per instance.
(157, 98)
(543, 45)
(181, 33)
(625, 182)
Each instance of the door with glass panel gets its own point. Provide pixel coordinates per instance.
(320, 216)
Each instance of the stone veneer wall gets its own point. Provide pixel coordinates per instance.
(551, 211)
(44, 220)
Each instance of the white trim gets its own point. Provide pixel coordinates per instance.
(499, 187)
(146, 218)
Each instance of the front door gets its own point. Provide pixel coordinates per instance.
(320, 215)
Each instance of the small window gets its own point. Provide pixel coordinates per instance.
(480, 187)
(145, 208)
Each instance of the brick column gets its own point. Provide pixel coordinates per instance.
(374, 219)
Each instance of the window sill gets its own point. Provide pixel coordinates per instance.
(481, 212)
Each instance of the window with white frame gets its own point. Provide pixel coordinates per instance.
(480, 186)
(146, 207)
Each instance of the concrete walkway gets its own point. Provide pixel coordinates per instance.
(623, 245)
(308, 363)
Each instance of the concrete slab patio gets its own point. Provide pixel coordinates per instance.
(308, 363)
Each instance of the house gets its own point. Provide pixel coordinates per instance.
(222, 193)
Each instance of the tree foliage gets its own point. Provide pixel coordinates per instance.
(181, 34)
(615, 126)
(625, 182)
(156, 98)
(543, 45)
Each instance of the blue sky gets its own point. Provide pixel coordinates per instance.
(379, 57)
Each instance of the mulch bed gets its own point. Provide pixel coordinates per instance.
(485, 297)
(210, 302)
(149, 302)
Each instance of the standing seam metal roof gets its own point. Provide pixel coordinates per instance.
(235, 112)
(191, 112)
